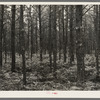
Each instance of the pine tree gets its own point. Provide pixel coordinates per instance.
(40, 32)
(13, 37)
(79, 45)
(1, 32)
(22, 44)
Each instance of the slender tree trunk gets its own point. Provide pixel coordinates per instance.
(22, 44)
(64, 36)
(31, 39)
(79, 45)
(32, 27)
(99, 29)
(66, 30)
(71, 50)
(28, 37)
(5, 48)
(19, 48)
(85, 26)
(54, 42)
(40, 32)
(36, 39)
(44, 39)
(13, 38)
(96, 38)
(50, 39)
(60, 47)
(1, 32)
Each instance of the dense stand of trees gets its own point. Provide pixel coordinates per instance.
(66, 32)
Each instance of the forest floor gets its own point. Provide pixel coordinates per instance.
(39, 76)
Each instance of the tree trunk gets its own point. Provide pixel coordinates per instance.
(28, 42)
(22, 44)
(79, 45)
(71, 50)
(66, 30)
(50, 39)
(5, 46)
(31, 38)
(40, 32)
(54, 41)
(13, 38)
(60, 45)
(36, 39)
(96, 38)
(1, 32)
(64, 36)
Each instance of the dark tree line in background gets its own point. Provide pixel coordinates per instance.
(64, 32)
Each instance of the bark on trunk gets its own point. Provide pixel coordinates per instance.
(13, 38)
(79, 45)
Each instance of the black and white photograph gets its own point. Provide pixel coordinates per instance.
(49, 47)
